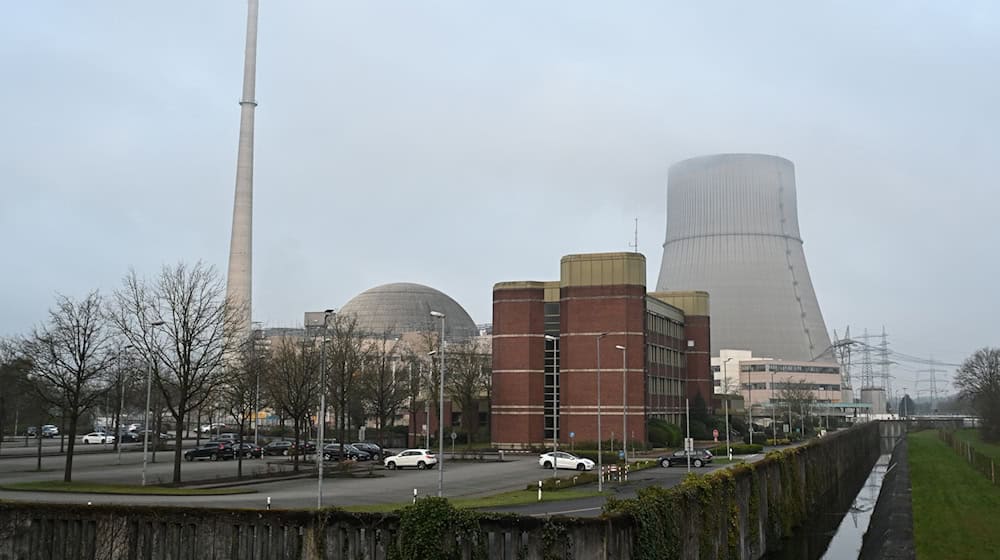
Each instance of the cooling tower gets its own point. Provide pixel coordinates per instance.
(733, 231)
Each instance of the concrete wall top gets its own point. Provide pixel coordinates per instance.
(691, 302)
(603, 269)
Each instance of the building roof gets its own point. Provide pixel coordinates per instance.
(404, 307)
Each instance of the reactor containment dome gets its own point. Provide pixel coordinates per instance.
(399, 308)
(733, 231)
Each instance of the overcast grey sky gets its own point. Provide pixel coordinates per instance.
(458, 144)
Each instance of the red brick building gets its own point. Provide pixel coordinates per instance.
(654, 352)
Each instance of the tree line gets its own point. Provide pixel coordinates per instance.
(176, 328)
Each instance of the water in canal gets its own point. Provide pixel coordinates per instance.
(836, 530)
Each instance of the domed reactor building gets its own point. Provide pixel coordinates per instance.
(733, 231)
(400, 308)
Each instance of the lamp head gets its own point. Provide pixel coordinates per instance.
(432, 352)
(619, 346)
(550, 337)
(437, 314)
(157, 323)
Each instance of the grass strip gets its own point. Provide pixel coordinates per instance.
(971, 435)
(514, 498)
(954, 507)
(91, 488)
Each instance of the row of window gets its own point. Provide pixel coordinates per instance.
(662, 325)
(666, 356)
(780, 368)
(791, 387)
(665, 386)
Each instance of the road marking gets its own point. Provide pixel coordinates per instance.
(564, 512)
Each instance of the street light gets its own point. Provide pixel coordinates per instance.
(600, 464)
(145, 415)
(555, 401)
(725, 394)
(322, 410)
(441, 316)
(256, 369)
(624, 403)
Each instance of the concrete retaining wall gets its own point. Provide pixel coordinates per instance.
(736, 513)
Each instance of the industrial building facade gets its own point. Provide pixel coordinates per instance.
(552, 341)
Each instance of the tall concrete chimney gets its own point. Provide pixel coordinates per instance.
(239, 278)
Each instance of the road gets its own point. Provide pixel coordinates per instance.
(463, 479)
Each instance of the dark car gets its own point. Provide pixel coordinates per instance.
(284, 447)
(250, 450)
(331, 452)
(213, 450)
(699, 458)
(373, 449)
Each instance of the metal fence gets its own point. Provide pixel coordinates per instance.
(982, 463)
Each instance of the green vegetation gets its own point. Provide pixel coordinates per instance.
(738, 449)
(954, 507)
(90, 488)
(514, 498)
(663, 434)
(973, 438)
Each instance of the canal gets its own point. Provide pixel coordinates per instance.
(836, 530)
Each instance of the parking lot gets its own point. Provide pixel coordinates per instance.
(463, 479)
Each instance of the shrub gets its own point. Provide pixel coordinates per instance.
(738, 449)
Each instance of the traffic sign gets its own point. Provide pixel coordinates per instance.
(688, 444)
(715, 434)
(454, 436)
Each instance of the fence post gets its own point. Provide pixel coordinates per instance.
(993, 472)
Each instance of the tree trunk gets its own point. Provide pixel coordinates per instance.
(178, 438)
(68, 472)
(239, 453)
(296, 427)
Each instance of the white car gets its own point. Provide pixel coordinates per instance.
(98, 437)
(565, 461)
(419, 458)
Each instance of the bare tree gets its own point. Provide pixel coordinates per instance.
(798, 398)
(292, 384)
(240, 390)
(15, 388)
(346, 355)
(381, 392)
(978, 381)
(179, 322)
(70, 358)
(467, 382)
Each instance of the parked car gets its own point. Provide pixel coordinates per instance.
(139, 435)
(331, 452)
(212, 450)
(699, 458)
(419, 458)
(250, 450)
(565, 460)
(205, 428)
(373, 449)
(98, 437)
(228, 436)
(129, 437)
(50, 430)
(32, 431)
(285, 447)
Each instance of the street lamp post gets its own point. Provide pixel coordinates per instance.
(145, 414)
(555, 402)
(749, 400)
(256, 397)
(441, 316)
(624, 402)
(322, 410)
(725, 395)
(774, 427)
(600, 462)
